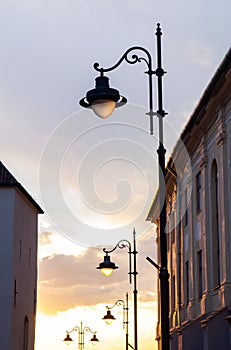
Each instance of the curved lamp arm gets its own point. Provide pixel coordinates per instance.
(118, 302)
(81, 331)
(132, 60)
(123, 244)
(88, 329)
(74, 329)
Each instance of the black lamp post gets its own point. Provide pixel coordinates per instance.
(81, 332)
(103, 100)
(104, 266)
(108, 318)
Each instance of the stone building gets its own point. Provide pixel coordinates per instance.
(198, 187)
(18, 264)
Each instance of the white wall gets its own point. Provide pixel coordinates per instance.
(18, 261)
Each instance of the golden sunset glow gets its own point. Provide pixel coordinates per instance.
(95, 179)
(66, 296)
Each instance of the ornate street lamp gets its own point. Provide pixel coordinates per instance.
(81, 332)
(126, 244)
(103, 101)
(108, 318)
(107, 267)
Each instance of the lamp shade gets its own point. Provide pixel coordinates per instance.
(68, 339)
(108, 318)
(94, 339)
(107, 266)
(103, 108)
(103, 99)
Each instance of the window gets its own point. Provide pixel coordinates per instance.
(215, 225)
(29, 257)
(25, 333)
(199, 272)
(180, 341)
(15, 292)
(173, 226)
(186, 207)
(186, 282)
(35, 301)
(198, 192)
(173, 293)
(20, 250)
(170, 203)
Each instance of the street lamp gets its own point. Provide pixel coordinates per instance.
(126, 244)
(81, 332)
(108, 318)
(107, 266)
(101, 95)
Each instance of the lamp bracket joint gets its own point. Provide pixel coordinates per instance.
(159, 72)
(164, 273)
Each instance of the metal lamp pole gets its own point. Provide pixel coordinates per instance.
(109, 317)
(81, 332)
(103, 99)
(104, 265)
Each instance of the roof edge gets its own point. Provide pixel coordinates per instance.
(8, 180)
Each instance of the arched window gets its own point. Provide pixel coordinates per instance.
(25, 333)
(215, 225)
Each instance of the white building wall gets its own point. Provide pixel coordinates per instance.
(6, 264)
(18, 264)
(207, 137)
(227, 162)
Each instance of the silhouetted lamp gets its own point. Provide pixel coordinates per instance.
(81, 333)
(103, 99)
(108, 318)
(94, 339)
(107, 266)
(68, 339)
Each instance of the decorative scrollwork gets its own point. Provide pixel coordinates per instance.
(131, 60)
(117, 303)
(88, 329)
(121, 244)
(124, 244)
(81, 330)
(74, 329)
(120, 302)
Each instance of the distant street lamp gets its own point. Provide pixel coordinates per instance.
(81, 332)
(109, 318)
(107, 268)
(103, 99)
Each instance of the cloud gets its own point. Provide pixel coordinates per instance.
(66, 281)
(45, 238)
(200, 54)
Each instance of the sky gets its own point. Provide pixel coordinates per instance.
(95, 179)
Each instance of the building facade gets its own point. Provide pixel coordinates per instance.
(198, 199)
(18, 264)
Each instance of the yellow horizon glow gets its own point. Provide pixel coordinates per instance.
(51, 330)
(52, 324)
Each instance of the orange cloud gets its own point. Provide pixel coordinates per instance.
(45, 238)
(67, 281)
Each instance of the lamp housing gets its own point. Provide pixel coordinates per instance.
(103, 99)
(94, 339)
(107, 266)
(68, 339)
(108, 318)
